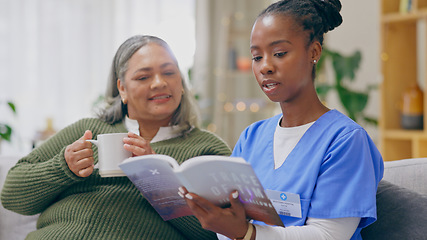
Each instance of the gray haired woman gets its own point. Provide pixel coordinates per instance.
(184, 116)
(148, 98)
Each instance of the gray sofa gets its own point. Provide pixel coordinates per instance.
(401, 202)
(401, 199)
(13, 226)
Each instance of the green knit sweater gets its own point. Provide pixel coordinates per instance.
(72, 207)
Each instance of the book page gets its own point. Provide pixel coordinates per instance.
(193, 162)
(162, 157)
(157, 182)
(215, 180)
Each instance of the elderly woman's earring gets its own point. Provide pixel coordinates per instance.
(314, 61)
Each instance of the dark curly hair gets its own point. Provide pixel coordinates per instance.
(315, 16)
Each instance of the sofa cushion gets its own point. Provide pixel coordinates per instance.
(401, 214)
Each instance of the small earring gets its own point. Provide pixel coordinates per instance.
(123, 101)
(314, 61)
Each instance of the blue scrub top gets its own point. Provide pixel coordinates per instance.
(335, 168)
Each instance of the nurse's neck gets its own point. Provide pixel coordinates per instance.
(293, 117)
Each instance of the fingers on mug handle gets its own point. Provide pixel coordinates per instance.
(87, 135)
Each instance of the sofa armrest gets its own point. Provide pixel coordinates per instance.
(13, 225)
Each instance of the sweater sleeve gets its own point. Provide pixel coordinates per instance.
(38, 178)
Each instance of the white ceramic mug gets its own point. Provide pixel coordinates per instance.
(111, 153)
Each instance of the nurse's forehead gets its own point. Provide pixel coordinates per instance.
(267, 20)
(273, 43)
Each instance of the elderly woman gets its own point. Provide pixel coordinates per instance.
(149, 99)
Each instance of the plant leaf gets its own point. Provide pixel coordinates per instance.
(12, 106)
(323, 89)
(5, 132)
(353, 102)
(370, 120)
(345, 66)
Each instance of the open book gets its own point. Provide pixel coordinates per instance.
(158, 177)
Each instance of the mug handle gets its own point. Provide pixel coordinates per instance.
(93, 141)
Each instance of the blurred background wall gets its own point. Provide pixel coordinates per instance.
(55, 56)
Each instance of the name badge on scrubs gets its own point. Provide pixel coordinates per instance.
(287, 204)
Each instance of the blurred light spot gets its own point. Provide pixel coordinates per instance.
(211, 127)
(241, 106)
(254, 107)
(228, 107)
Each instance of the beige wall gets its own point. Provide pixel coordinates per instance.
(360, 31)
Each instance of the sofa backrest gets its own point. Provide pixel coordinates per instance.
(409, 173)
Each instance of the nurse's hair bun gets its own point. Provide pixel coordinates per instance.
(329, 10)
(315, 16)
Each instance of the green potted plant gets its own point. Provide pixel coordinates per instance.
(344, 68)
(5, 129)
